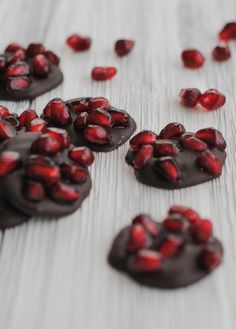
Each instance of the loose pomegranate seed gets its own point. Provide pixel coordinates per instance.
(142, 138)
(165, 147)
(212, 137)
(99, 103)
(74, 173)
(81, 120)
(17, 84)
(144, 154)
(123, 47)
(210, 258)
(9, 161)
(170, 246)
(27, 116)
(4, 112)
(96, 134)
(172, 130)
(18, 69)
(146, 221)
(100, 117)
(192, 58)
(64, 193)
(6, 130)
(168, 168)
(33, 191)
(212, 99)
(46, 145)
(188, 213)
(189, 97)
(228, 32)
(19, 55)
(103, 73)
(210, 162)
(176, 223)
(221, 53)
(61, 135)
(52, 57)
(120, 118)
(202, 232)
(13, 47)
(82, 155)
(13, 121)
(57, 112)
(40, 66)
(80, 106)
(36, 125)
(193, 143)
(78, 43)
(145, 260)
(35, 49)
(137, 238)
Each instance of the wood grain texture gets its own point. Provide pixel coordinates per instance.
(54, 274)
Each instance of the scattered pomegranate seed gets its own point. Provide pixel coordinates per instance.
(137, 238)
(80, 106)
(176, 223)
(17, 84)
(27, 116)
(33, 191)
(52, 57)
(228, 32)
(193, 143)
(98, 103)
(143, 138)
(212, 99)
(64, 193)
(202, 232)
(123, 47)
(46, 145)
(61, 135)
(145, 260)
(147, 222)
(40, 66)
(172, 130)
(6, 130)
(81, 120)
(57, 112)
(36, 125)
(74, 173)
(144, 154)
(100, 117)
(168, 167)
(212, 137)
(4, 112)
(9, 161)
(82, 155)
(19, 55)
(14, 122)
(96, 134)
(210, 258)
(78, 43)
(189, 97)
(191, 215)
(103, 73)
(165, 147)
(120, 118)
(209, 162)
(221, 53)
(13, 47)
(18, 69)
(35, 49)
(170, 246)
(192, 58)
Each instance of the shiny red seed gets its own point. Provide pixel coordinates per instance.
(13, 120)
(145, 260)
(74, 173)
(212, 137)
(172, 130)
(176, 223)
(96, 134)
(120, 118)
(147, 222)
(52, 57)
(144, 154)
(81, 120)
(212, 99)
(27, 116)
(6, 130)
(40, 66)
(61, 135)
(46, 145)
(82, 155)
(4, 112)
(143, 138)
(36, 125)
(192, 58)
(9, 161)
(168, 168)
(64, 193)
(123, 47)
(19, 55)
(103, 73)
(18, 69)
(98, 103)
(165, 147)
(33, 191)
(13, 47)
(170, 246)
(80, 106)
(17, 84)
(188, 213)
(203, 231)
(210, 258)
(221, 53)
(210, 163)
(57, 112)
(35, 49)
(193, 143)
(228, 32)
(189, 97)
(137, 238)
(100, 117)
(78, 43)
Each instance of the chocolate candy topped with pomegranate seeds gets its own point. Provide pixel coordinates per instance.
(174, 253)
(91, 122)
(175, 158)
(43, 173)
(28, 73)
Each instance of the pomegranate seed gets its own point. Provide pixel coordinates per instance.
(17, 84)
(170, 246)
(193, 143)
(19, 55)
(9, 161)
(189, 97)
(120, 118)
(36, 125)
(212, 99)
(46, 145)
(33, 191)
(74, 173)
(145, 260)
(96, 134)
(13, 47)
(192, 58)
(57, 112)
(61, 135)
(99, 103)
(212, 137)
(228, 32)
(172, 130)
(81, 120)
(176, 223)
(202, 232)
(124, 47)
(80, 106)
(82, 155)
(40, 66)
(64, 193)
(18, 69)
(103, 73)
(146, 221)
(142, 138)
(188, 213)
(144, 154)
(35, 49)
(78, 43)
(100, 117)
(52, 57)
(165, 147)
(27, 116)
(221, 53)
(13, 121)
(210, 162)
(6, 130)
(168, 168)
(137, 238)
(210, 258)
(4, 112)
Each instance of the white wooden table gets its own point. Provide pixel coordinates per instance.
(54, 275)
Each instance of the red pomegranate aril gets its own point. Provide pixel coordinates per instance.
(46, 145)
(228, 32)
(27, 116)
(146, 260)
(96, 134)
(137, 238)
(4, 112)
(17, 84)
(147, 222)
(221, 53)
(9, 161)
(193, 143)
(81, 120)
(13, 121)
(40, 66)
(57, 112)
(19, 55)
(144, 154)
(123, 47)
(188, 213)
(165, 147)
(168, 168)
(143, 138)
(41, 169)
(202, 232)
(98, 103)
(36, 125)
(100, 117)
(78, 43)
(74, 173)
(35, 49)
(176, 223)
(80, 106)
(170, 246)
(6, 130)
(82, 155)
(210, 258)
(212, 99)
(18, 69)
(33, 191)
(13, 47)
(210, 163)
(100, 73)
(120, 118)
(189, 97)
(61, 135)
(52, 57)
(192, 58)
(172, 130)
(212, 137)
(64, 193)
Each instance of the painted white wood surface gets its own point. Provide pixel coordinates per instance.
(54, 275)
